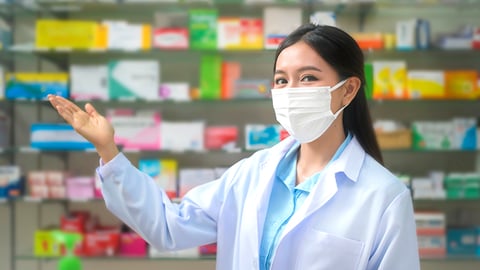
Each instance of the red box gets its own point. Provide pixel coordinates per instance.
(209, 249)
(74, 222)
(101, 242)
(221, 137)
(132, 245)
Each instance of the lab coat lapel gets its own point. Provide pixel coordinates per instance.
(256, 205)
(323, 191)
(350, 163)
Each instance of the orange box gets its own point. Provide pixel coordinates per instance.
(461, 84)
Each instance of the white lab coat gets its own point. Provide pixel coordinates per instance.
(359, 216)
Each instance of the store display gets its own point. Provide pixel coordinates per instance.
(214, 64)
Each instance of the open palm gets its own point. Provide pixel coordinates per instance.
(88, 123)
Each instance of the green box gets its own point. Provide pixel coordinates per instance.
(210, 76)
(203, 29)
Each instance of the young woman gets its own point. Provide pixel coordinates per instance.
(320, 199)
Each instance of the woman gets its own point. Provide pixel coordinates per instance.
(320, 199)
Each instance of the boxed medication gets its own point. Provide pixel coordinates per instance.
(134, 79)
(239, 33)
(389, 79)
(136, 131)
(89, 82)
(36, 86)
(182, 135)
(276, 27)
(66, 34)
(426, 84)
(221, 137)
(57, 136)
(164, 173)
(122, 35)
(202, 27)
(462, 84)
(258, 136)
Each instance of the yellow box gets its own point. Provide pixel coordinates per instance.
(425, 84)
(389, 79)
(66, 34)
(45, 245)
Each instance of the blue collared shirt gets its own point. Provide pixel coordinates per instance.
(285, 199)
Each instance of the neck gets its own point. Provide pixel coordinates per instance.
(314, 156)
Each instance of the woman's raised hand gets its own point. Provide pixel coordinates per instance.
(89, 124)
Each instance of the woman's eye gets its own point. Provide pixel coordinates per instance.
(309, 78)
(280, 81)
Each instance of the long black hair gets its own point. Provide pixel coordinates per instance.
(341, 52)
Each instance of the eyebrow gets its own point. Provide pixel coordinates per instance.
(279, 71)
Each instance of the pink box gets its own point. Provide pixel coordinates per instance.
(132, 245)
(136, 131)
(80, 187)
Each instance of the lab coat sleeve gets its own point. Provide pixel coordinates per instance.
(396, 245)
(137, 200)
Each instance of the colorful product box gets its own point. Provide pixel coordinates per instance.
(231, 72)
(461, 241)
(389, 79)
(170, 38)
(163, 171)
(57, 136)
(462, 84)
(36, 85)
(236, 33)
(252, 88)
(132, 245)
(66, 34)
(134, 79)
(10, 180)
(203, 29)
(221, 137)
(137, 131)
(425, 84)
(80, 187)
(122, 35)
(176, 91)
(88, 82)
(259, 136)
(210, 76)
(46, 245)
(101, 242)
(277, 26)
(182, 136)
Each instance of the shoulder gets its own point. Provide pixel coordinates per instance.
(380, 180)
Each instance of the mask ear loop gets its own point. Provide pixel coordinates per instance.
(338, 85)
(335, 87)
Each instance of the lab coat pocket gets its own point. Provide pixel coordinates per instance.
(326, 251)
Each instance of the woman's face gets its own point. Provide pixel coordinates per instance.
(300, 66)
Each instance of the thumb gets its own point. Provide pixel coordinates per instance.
(91, 110)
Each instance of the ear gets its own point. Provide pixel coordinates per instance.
(351, 89)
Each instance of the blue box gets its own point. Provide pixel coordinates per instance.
(462, 241)
(53, 136)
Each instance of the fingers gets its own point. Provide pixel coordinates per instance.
(91, 110)
(64, 107)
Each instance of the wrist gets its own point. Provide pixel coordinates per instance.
(107, 152)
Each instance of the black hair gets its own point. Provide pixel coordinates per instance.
(341, 52)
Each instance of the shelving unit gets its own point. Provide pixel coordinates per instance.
(367, 16)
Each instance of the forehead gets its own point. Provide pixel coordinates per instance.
(298, 55)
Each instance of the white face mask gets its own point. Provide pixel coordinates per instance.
(305, 111)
